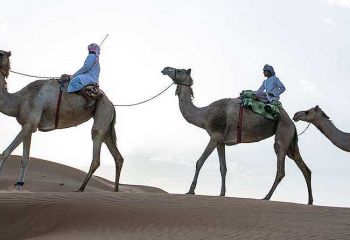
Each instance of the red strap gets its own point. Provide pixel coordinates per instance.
(239, 126)
(58, 108)
(61, 82)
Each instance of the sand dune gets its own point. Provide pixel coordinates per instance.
(45, 176)
(140, 212)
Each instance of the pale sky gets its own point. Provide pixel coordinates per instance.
(225, 43)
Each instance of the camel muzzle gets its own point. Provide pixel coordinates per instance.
(298, 116)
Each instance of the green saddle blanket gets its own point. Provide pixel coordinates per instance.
(268, 110)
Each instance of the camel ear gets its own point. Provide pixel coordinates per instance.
(189, 71)
(9, 53)
(317, 108)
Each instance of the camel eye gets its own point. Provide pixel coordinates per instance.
(307, 112)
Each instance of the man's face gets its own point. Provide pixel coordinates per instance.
(267, 74)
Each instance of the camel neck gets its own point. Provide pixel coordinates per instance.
(8, 103)
(189, 111)
(337, 137)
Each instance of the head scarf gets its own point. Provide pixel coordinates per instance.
(94, 48)
(269, 68)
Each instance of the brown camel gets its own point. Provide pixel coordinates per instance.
(34, 107)
(213, 119)
(318, 118)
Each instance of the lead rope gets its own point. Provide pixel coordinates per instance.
(144, 101)
(33, 76)
(116, 105)
(304, 129)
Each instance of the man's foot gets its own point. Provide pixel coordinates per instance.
(89, 101)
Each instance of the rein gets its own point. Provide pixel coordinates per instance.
(155, 96)
(33, 76)
(144, 101)
(305, 129)
(116, 105)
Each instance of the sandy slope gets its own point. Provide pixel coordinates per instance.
(45, 176)
(147, 213)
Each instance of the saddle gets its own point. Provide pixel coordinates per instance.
(92, 90)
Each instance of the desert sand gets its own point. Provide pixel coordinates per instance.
(48, 209)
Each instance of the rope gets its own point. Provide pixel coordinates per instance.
(33, 76)
(117, 105)
(304, 129)
(144, 101)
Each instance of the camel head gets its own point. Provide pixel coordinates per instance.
(310, 115)
(5, 62)
(181, 77)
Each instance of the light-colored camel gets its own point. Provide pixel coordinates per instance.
(213, 119)
(318, 118)
(34, 107)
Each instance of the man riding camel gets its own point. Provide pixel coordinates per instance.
(271, 88)
(88, 74)
(269, 93)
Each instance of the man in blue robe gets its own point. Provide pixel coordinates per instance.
(271, 88)
(88, 74)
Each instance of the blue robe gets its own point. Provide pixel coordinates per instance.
(87, 74)
(272, 88)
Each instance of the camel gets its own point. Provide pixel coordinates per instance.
(34, 107)
(318, 118)
(213, 119)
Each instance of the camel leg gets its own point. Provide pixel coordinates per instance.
(18, 139)
(304, 169)
(209, 149)
(307, 175)
(281, 157)
(118, 159)
(97, 138)
(223, 169)
(24, 162)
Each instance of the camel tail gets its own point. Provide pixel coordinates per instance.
(293, 150)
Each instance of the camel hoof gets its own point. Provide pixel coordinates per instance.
(79, 190)
(19, 186)
(191, 193)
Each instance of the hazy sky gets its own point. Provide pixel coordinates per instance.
(226, 43)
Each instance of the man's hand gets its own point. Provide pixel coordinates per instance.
(66, 77)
